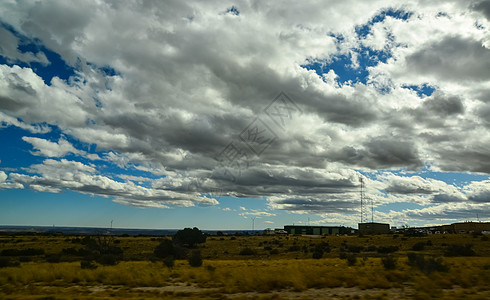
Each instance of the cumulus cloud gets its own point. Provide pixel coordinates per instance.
(165, 87)
(56, 175)
(46, 148)
(444, 60)
(9, 49)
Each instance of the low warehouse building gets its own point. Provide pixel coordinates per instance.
(316, 230)
(374, 228)
(470, 227)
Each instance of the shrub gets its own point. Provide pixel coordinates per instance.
(195, 260)
(484, 238)
(87, 264)
(418, 246)
(426, 265)
(189, 237)
(22, 252)
(168, 248)
(354, 249)
(53, 258)
(415, 260)
(294, 248)
(387, 249)
(317, 254)
(247, 251)
(25, 259)
(274, 251)
(371, 248)
(351, 259)
(459, 250)
(169, 261)
(389, 262)
(323, 246)
(108, 259)
(164, 249)
(75, 252)
(435, 264)
(4, 262)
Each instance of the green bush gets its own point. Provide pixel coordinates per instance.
(418, 246)
(189, 237)
(5, 262)
(247, 251)
(426, 265)
(87, 264)
(22, 252)
(164, 249)
(387, 249)
(274, 251)
(353, 248)
(53, 258)
(169, 262)
(108, 259)
(371, 248)
(389, 262)
(351, 259)
(25, 259)
(195, 260)
(317, 254)
(460, 250)
(294, 248)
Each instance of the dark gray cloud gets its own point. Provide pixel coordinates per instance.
(319, 206)
(453, 58)
(382, 153)
(483, 7)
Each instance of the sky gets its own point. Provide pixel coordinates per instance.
(244, 114)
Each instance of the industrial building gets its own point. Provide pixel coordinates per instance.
(374, 228)
(463, 227)
(317, 230)
(470, 227)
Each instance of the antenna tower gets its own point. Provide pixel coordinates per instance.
(362, 198)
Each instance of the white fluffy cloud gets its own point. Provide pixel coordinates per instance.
(46, 148)
(190, 77)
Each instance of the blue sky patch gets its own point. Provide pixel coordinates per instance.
(233, 10)
(56, 66)
(422, 90)
(363, 30)
(344, 64)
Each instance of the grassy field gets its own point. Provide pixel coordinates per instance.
(252, 267)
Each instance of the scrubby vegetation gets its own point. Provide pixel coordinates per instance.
(100, 267)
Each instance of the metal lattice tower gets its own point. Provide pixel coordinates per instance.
(372, 210)
(362, 199)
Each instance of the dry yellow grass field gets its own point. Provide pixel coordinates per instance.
(289, 272)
